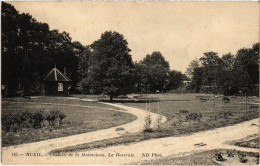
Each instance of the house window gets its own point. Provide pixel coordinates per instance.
(60, 87)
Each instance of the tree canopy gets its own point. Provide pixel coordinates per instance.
(111, 67)
(230, 74)
(30, 50)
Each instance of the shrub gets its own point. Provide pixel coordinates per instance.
(26, 119)
(224, 115)
(61, 116)
(11, 122)
(148, 123)
(242, 158)
(37, 119)
(7, 123)
(51, 116)
(54, 117)
(219, 157)
(194, 116)
(230, 154)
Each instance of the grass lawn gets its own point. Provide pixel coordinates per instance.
(78, 119)
(220, 115)
(231, 157)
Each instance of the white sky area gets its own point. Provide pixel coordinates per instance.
(181, 31)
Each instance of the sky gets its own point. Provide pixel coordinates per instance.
(181, 31)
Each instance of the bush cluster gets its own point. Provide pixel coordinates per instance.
(35, 120)
(194, 116)
(224, 115)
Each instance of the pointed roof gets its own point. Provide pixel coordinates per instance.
(56, 75)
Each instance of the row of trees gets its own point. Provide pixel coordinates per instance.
(230, 74)
(107, 67)
(30, 50)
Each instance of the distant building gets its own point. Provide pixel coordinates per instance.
(186, 82)
(55, 83)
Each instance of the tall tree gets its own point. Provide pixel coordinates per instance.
(174, 80)
(154, 71)
(196, 81)
(111, 66)
(193, 64)
(84, 63)
(210, 65)
(30, 49)
(10, 61)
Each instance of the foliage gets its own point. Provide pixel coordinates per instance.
(219, 157)
(30, 50)
(224, 115)
(37, 119)
(26, 119)
(174, 80)
(84, 63)
(111, 68)
(148, 123)
(157, 69)
(152, 74)
(196, 81)
(194, 116)
(230, 74)
(242, 157)
(193, 65)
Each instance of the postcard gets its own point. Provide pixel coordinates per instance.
(129, 83)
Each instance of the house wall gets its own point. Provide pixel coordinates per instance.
(51, 89)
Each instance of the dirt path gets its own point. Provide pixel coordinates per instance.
(44, 147)
(125, 154)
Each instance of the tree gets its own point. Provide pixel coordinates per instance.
(196, 81)
(230, 74)
(84, 63)
(153, 72)
(9, 30)
(30, 49)
(228, 61)
(210, 65)
(111, 68)
(175, 79)
(246, 69)
(193, 64)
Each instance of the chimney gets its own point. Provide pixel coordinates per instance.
(64, 70)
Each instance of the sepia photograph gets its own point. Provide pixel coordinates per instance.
(130, 82)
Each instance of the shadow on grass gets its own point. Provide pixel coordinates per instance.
(130, 101)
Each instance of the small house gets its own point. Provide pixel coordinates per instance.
(55, 83)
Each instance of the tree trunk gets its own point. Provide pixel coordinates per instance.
(111, 97)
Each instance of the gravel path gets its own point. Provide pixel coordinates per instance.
(132, 153)
(125, 154)
(44, 147)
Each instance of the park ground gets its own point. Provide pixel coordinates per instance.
(202, 112)
(216, 115)
(81, 117)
